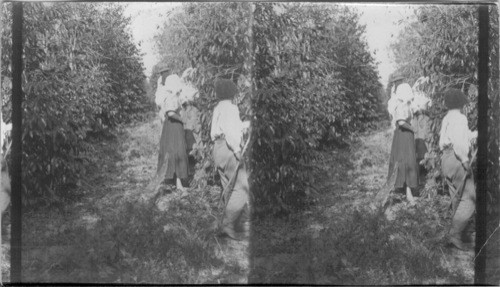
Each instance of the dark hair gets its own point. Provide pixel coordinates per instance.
(455, 99)
(225, 89)
(394, 84)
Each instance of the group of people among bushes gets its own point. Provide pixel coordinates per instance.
(455, 143)
(180, 126)
(181, 131)
(407, 107)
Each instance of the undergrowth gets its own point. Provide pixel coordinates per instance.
(135, 242)
(340, 240)
(396, 252)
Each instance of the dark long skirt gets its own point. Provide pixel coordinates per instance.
(403, 152)
(173, 142)
(420, 149)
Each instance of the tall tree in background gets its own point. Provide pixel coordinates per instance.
(82, 76)
(313, 71)
(214, 38)
(442, 43)
(310, 70)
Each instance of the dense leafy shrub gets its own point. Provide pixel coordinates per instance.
(82, 76)
(316, 81)
(176, 247)
(300, 65)
(442, 43)
(212, 38)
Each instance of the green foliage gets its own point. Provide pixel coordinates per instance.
(82, 77)
(128, 241)
(212, 37)
(310, 62)
(179, 241)
(299, 69)
(442, 43)
(353, 246)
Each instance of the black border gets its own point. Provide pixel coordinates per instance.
(17, 95)
(16, 185)
(482, 144)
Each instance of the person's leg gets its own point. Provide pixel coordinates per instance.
(178, 184)
(236, 205)
(463, 214)
(409, 196)
(454, 173)
(227, 165)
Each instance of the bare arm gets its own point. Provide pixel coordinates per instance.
(405, 126)
(174, 116)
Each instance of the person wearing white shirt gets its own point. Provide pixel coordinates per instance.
(172, 141)
(455, 142)
(227, 133)
(167, 93)
(402, 159)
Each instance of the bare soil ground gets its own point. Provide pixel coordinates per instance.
(115, 232)
(340, 240)
(112, 230)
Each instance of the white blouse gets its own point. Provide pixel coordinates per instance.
(166, 100)
(226, 121)
(455, 132)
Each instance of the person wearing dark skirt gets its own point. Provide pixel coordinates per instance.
(403, 144)
(173, 141)
(190, 116)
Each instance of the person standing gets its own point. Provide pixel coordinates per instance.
(421, 122)
(394, 81)
(172, 141)
(455, 141)
(227, 133)
(190, 115)
(403, 144)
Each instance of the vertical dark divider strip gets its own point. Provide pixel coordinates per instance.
(17, 54)
(482, 141)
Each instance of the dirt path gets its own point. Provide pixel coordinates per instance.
(112, 232)
(107, 233)
(340, 240)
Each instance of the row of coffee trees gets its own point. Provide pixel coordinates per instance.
(442, 43)
(305, 75)
(82, 77)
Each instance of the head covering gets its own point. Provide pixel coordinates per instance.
(163, 69)
(404, 93)
(396, 77)
(454, 99)
(187, 74)
(225, 89)
(188, 94)
(174, 84)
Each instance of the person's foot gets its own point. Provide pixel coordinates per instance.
(412, 201)
(409, 197)
(181, 188)
(183, 192)
(469, 238)
(456, 242)
(229, 232)
(164, 189)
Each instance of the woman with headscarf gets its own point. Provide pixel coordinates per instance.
(403, 144)
(172, 142)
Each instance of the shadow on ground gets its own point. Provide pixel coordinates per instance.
(341, 240)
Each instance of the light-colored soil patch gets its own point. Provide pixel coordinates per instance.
(103, 237)
(340, 239)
